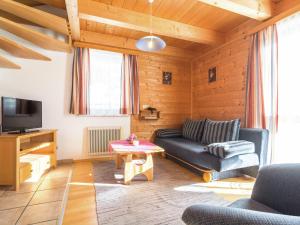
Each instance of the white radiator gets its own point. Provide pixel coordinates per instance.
(99, 138)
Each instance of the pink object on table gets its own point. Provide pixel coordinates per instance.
(124, 144)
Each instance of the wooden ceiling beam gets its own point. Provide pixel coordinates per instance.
(275, 19)
(36, 16)
(29, 2)
(15, 18)
(72, 10)
(19, 50)
(5, 63)
(112, 41)
(258, 10)
(55, 3)
(37, 38)
(259, 27)
(107, 14)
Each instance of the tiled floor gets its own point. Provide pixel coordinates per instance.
(36, 203)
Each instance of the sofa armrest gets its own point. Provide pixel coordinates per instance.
(168, 133)
(215, 215)
(277, 186)
(260, 137)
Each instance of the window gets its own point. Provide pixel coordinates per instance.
(105, 82)
(286, 150)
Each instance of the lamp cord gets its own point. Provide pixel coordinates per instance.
(151, 22)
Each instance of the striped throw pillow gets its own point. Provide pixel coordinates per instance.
(229, 149)
(193, 129)
(220, 131)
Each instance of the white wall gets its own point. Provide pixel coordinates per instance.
(50, 82)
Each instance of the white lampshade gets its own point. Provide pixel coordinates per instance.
(150, 44)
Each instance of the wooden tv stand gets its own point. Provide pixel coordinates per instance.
(22, 155)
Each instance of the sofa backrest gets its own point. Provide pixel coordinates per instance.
(260, 137)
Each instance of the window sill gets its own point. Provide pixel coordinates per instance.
(101, 115)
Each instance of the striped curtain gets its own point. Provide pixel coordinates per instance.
(130, 98)
(262, 83)
(80, 82)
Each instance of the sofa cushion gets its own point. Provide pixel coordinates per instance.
(251, 204)
(193, 129)
(228, 149)
(168, 133)
(196, 154)
(220, 131)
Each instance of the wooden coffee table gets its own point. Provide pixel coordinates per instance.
(137, 159)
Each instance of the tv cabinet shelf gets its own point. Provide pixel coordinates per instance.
(32, 147)
(23, 155)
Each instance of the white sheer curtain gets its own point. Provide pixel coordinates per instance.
(105, 82)
(287, 147)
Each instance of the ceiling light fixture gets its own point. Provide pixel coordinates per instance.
(150, 43)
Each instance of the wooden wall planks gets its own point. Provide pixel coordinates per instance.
(221, 100)
(225, 98)
(174, 101)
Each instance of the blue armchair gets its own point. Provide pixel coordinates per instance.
(275, 200)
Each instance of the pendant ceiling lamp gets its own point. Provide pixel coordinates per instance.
(150, 43)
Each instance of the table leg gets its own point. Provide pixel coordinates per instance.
(118, 161)
(148, 167)
(129, 169)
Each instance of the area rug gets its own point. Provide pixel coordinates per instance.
(161, 201)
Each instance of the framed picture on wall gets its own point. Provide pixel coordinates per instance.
(212, 74)
(167, 78)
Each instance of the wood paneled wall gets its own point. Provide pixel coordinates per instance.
(225, 98)
(174, 101)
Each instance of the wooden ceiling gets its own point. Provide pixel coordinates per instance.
(191, 12)
(187, 26)
(128, 33)
(191, 25)
(194, 24)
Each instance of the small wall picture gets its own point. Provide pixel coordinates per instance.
(212, 74)
(167, 78)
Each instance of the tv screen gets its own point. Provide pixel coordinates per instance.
(20, 114)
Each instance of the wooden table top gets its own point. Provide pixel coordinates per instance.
(124, 147)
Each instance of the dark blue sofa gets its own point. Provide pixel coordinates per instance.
(275, 200)
(194, 155)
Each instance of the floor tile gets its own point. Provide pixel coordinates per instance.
(24, 187)
(10, 216)
(9, 201)
(40, 213)
(53, 183)
(58, 173)
(51, 222)
(47, 196)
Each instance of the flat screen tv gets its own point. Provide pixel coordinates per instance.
(20, 115)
